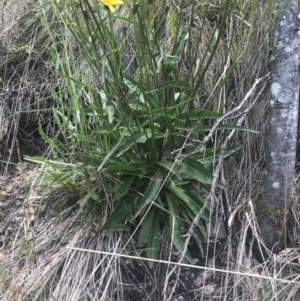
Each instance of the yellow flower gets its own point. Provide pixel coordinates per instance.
(110, 4)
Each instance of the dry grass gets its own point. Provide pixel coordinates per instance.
(11, 11)
(40, 266)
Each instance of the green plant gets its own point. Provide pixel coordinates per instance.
(133, 133)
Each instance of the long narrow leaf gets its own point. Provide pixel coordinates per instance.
(196, 170)
(170, 166)
(152, 189)
(174, 227)
(197, 236)
(175, 84)
(120, 214)
(147, 229)
(196, 115)
(154, 241)
(195, 204)
(122, 188)
(211, 156)
(112, 151)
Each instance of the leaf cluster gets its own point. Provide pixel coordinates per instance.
(131, 136)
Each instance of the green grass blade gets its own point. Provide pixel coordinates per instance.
(119, 215)
(154, 241)
(152, 190)
(192, 201)
(170, 166)
(174, 84)
(196, 170)
(112, 151)
(174, 226)
(147, 229)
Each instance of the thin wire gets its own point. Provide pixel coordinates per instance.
(187, 265)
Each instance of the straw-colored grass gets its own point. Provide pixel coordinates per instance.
(42, 263)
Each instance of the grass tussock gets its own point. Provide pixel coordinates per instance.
(138, 110)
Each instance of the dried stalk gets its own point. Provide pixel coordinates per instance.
(210, 199)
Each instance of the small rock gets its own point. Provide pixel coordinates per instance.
(4, 193)
(179, 298)
(31, 210)
(210, 262)
(201, 278)
(208, 289)
(18, 219)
